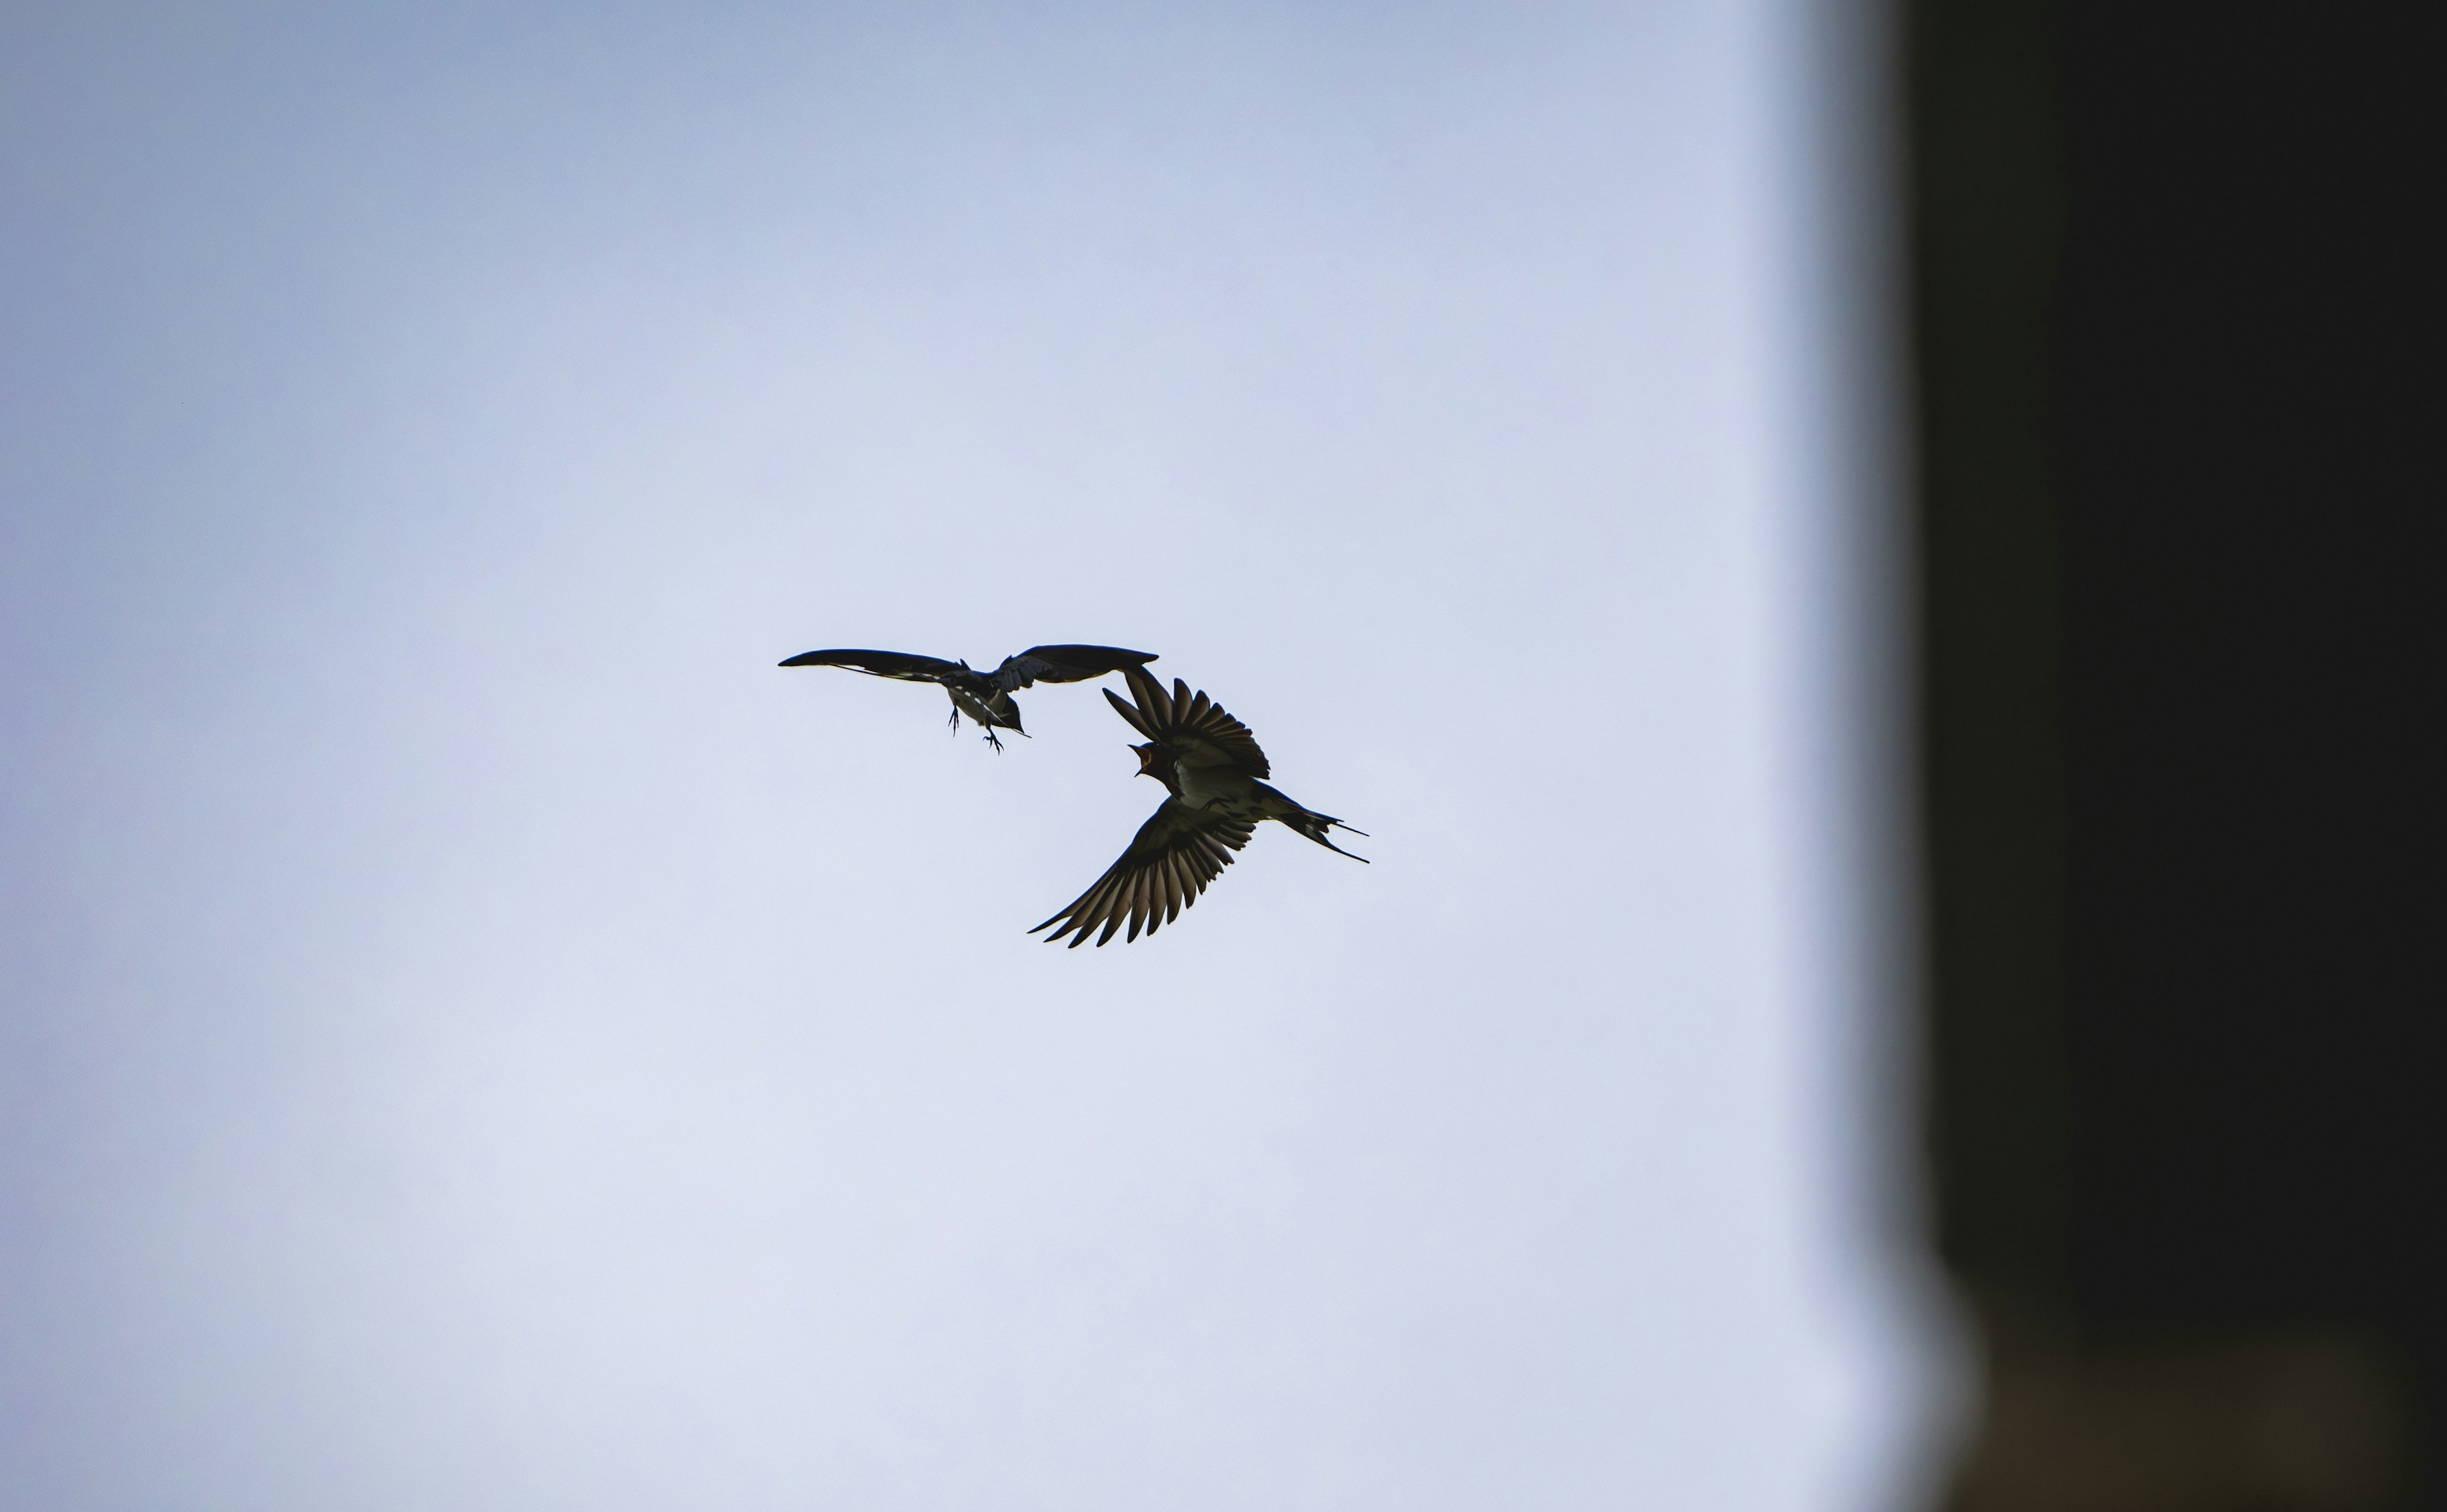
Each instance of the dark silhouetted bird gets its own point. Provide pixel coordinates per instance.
(1210, 763)
(985, 697)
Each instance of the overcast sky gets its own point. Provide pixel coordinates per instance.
(478, 1035)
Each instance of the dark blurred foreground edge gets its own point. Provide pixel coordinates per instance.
(2173, 320)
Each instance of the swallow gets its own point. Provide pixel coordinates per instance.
(985, 697)
(1210, 766)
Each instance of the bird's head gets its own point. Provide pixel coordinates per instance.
(1151, 760)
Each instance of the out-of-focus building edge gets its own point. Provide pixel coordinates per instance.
(2081, 1407)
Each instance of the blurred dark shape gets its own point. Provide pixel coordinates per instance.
(2177, 700)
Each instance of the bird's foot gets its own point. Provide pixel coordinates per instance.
(995, 743)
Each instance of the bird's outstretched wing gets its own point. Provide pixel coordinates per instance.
(1196, 732)
(1065, 664)
(882, 664)
(1175, 855)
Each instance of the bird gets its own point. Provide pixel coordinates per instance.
(985, 697)
(1210, 766)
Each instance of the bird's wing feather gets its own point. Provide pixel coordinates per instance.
(1176, 853)
(1196, 731)
(1123, 708)
(882, 664)
(1065, 664)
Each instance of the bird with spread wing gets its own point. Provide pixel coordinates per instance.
(1210, 766)
(985, 697)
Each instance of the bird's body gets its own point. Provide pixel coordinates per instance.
(985, 697)
(1201, 786)
(1212, 770)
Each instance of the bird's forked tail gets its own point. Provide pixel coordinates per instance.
(1307, 821)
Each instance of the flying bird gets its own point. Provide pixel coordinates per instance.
(985, 697)
(1210, 765)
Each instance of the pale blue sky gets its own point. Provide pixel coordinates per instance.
(479, 1036)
